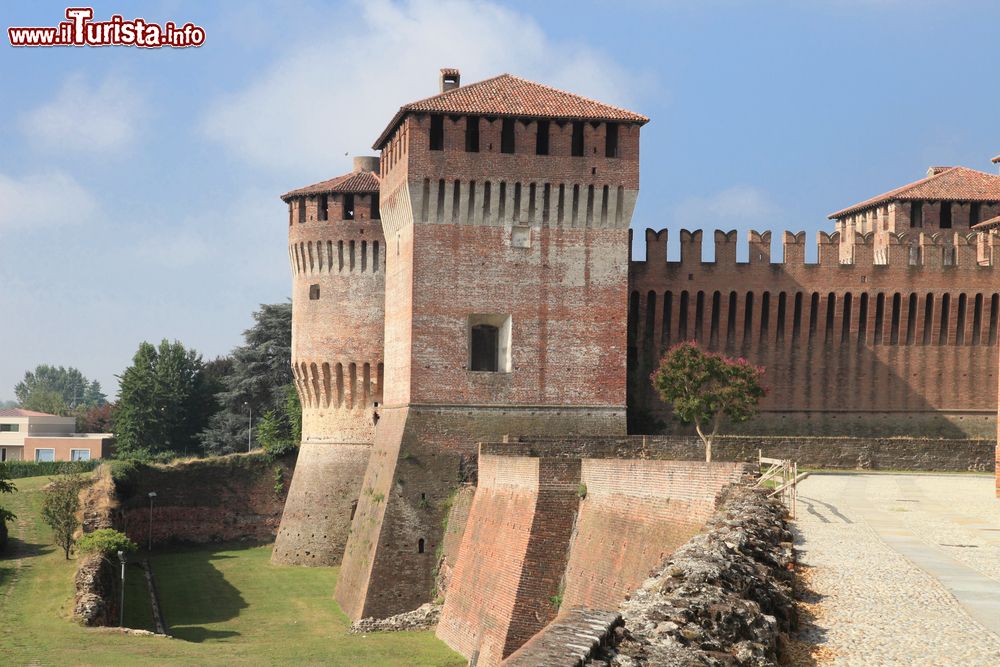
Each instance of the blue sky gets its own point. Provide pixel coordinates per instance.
(139, 188)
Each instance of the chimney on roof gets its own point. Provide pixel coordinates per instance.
(365, 163)
(450, 79)
(934, 171)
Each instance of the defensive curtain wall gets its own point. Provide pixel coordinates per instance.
(562, 524)
(899, 343)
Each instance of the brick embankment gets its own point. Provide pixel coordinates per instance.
(723, 598)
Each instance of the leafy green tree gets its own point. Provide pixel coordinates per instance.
(60, 503)
(280, 432)
(163, 402)
(6, 486)
(38, 386)
(258, 378)
(703, 388)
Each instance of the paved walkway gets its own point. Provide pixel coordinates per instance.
(905, 569)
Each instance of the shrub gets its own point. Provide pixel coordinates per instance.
(59, 507)
(105, 541)
(21, 469)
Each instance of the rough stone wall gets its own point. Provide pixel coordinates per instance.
(96, 601)
(724, 598)
(633, 514)
(205, 500)
(844, 355)
(537, 539)
(458, 517)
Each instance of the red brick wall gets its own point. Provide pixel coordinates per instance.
(531, 537)
(867, 377)
(635, 513)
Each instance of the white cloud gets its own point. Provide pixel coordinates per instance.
(737, 206)
(328, 97)
(88, 117)
(43, 199)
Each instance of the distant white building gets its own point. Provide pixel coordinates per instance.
(37, 436)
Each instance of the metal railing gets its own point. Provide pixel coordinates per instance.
(782, 477)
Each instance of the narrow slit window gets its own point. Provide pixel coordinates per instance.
(748, 317)
(507, 136)
(321, 212)
(437, 133)
(576, 147)
(302, 209)
(994, 307)
(542, 138)
(831, 312)
(682, 317)
(472, 134)
(911, 320)
(945, 316)
(977, 321)
(765, 315)
(845, 323)
(894, 322)
(779, 326)
(376, 214)
(946, 215)
(713, 336)
(916, 214)
(731, 320)
(975, 212)
(863, 319)
(928, 318)
(348, 207)
(813, 314)
(960, 325)
(797, 317)
(879, 317)
(611, 140)
(699, 315)
(668, 304)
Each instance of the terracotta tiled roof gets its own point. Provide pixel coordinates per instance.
(18, 412)
(354, 182)
(508, 95)
(955, 183)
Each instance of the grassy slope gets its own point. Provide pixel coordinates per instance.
(227, 605)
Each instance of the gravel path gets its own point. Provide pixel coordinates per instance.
(905, 569)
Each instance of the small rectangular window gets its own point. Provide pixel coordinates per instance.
(472, 134)
(375, 215)
(611, 140)
(321, 212)
(542, 138)
(507, 136)
(916, 214)
(975, 210)
(348, 207)
(437, 133)
(9, 428)
(489, 343)
(45, 455)
(946, 215)
(314, 292)
(79, 455)
(302, 209)
(577, 143)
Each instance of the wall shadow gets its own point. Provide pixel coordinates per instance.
(193, 592)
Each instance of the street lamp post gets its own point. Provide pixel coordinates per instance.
(250, 426)
(152, 495)
(121, 610)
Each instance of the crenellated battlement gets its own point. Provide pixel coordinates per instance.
(910, 249)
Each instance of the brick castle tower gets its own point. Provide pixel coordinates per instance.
(337, 255)
(505, 209)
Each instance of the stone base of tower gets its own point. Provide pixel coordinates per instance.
(321, 500)
(421, 456)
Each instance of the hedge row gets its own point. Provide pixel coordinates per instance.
(19, 469)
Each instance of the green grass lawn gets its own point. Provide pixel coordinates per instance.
(225, 605)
